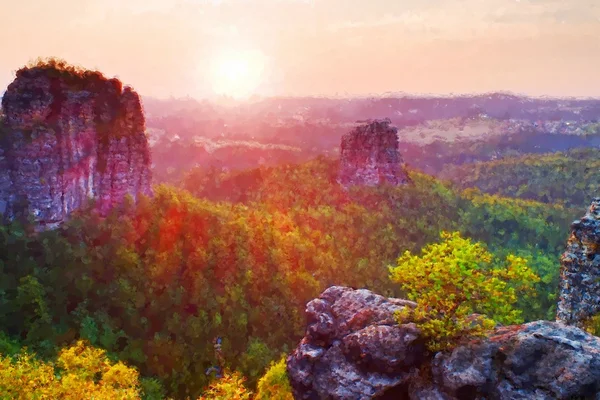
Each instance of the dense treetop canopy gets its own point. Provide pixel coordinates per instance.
(155, 283)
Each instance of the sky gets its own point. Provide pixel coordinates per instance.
(200, 48)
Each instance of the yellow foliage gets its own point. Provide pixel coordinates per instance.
(460, 290)
(229, 387)
(275, 385)
(81, 372)
(592, 325)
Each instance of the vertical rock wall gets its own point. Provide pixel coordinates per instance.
(579, 296)
(370, 156)
(68, 136)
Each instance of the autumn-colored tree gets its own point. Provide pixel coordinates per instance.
(80, 372)
(460, 289)
(229, 387)
(274, 384)
(155, 282)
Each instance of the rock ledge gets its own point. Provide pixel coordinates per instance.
(353, 349)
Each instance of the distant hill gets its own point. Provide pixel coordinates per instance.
(569, 178)
(401, 110)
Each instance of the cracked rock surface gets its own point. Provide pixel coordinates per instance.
(66, 138)
(370, 156)
(353, 349)
(580, 270)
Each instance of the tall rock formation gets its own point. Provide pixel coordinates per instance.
(66, 136)
(580, 270)
(370, 156)
(354, 349)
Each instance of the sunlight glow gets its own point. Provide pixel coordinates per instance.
(237, 74)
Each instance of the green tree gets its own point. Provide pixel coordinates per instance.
(157, 280)
(460, 289)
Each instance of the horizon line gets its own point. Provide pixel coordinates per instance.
(384, 95)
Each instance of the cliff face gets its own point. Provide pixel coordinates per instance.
(370, 156)
(353, 349)
(69, 136)
(580, 270)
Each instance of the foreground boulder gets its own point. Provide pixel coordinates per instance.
(353, 349)
(67, 136)
(539, 360)
(370, 156)
(580, 270)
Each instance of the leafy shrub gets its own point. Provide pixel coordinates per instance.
(275, 385)
(592, 325)
(460, 289)
(80, 372)
(229, 387)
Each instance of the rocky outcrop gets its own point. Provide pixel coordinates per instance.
(68, 136)
(580, 270)
(370, 156)
(353, 349)
(539, 360)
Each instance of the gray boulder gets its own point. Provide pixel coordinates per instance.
(354, 349)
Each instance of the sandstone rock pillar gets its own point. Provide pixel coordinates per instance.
(579, 296)
(370, 156)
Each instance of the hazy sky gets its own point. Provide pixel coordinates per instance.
(315, 47)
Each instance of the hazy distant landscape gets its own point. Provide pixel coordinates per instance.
(433, 132)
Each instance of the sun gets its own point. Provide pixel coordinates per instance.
(237, 73)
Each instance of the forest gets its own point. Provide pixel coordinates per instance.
(182, 294)
(568, 178)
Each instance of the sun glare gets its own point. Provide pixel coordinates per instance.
(237, 74)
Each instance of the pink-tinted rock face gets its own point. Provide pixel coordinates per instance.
(370, 156)
(66, 138)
